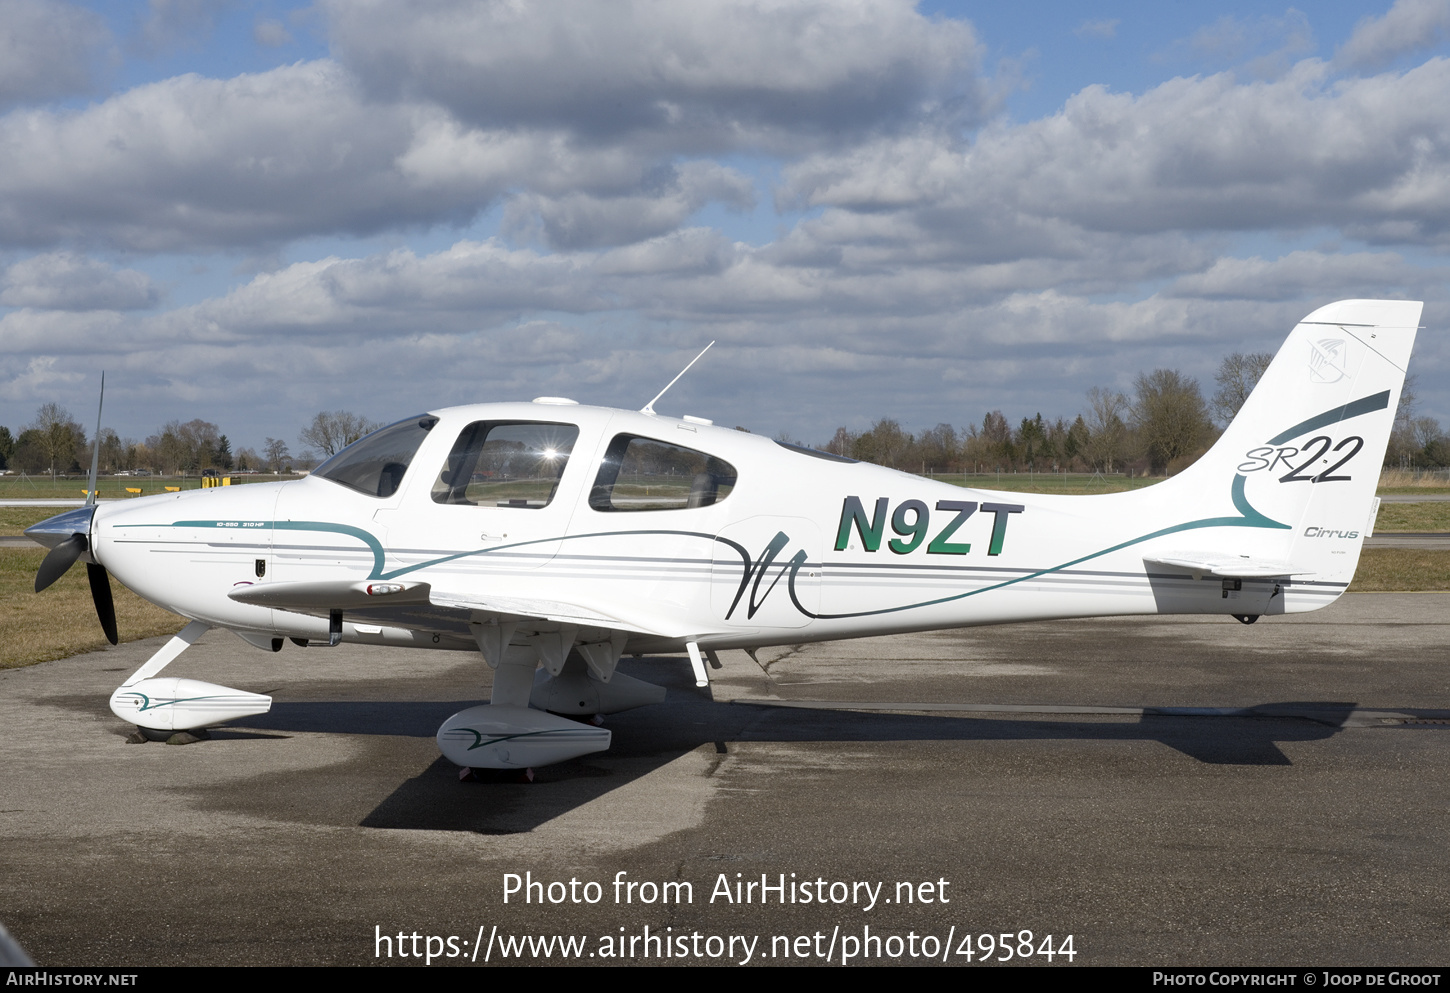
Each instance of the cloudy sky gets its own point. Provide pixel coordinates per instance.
(250, 212)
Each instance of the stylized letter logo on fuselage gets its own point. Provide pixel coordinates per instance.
(758, 569)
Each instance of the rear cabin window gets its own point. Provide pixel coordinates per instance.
(506, 464)
(644, 474)
(375, 465)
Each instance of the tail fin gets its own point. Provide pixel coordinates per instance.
(1304, 453)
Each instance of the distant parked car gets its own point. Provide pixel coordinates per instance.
(209, 473)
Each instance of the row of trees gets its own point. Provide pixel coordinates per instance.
(56, 444)
(1162, 428)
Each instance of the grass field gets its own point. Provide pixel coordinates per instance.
(62, 621)
(108, 487)
(1413, 517)
(1395, 570)
(1412, 481)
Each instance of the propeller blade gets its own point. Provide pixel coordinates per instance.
(101, 594)
(96, 451)
(59, 559)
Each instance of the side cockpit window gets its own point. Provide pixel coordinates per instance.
(375, 465)
(506, 464)
(644, 474)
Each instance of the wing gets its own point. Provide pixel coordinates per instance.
(382, 599)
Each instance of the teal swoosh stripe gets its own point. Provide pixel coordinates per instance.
(739, 550)
(380, 556)
(479, 742)
(1251, 519)
(1377, 402)
(148, 705)
(366, 537)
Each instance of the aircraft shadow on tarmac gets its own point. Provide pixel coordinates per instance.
(649, 738)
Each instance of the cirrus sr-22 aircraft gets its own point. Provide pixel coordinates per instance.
(553, 538)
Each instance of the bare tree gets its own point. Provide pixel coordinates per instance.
(1170, 416)
(1107, 435)
(938, 449)
(1237, 376)
(113, 452)
(841, 443)
(184, 447)
(1405, 409)
(58, 436)
(994, 441)
(1427, 431)
(276, 454)
(885, 444)
(1403, 450)
(332, 431)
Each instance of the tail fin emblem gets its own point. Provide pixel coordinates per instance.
(1326, 360)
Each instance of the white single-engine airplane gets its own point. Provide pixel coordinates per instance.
(553, 538)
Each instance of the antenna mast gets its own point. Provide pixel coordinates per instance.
(649, 408)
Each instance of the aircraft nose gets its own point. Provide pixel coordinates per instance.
(54, 530)
(68, 538)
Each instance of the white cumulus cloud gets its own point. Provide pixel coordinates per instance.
(691, 77)
(1409, 26)
(47, 50)
(68, 281)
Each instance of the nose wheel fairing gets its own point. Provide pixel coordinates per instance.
(176, 704)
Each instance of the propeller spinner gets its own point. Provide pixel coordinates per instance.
(68, 538)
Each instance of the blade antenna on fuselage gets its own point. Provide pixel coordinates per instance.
(96, 449)
(649, 408)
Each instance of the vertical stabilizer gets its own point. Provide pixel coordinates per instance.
(1306, 449)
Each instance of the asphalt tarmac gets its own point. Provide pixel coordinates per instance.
(1165, 790)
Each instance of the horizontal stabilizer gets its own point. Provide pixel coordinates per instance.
(1225, 566)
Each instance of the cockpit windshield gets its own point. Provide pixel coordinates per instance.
(375, 465)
